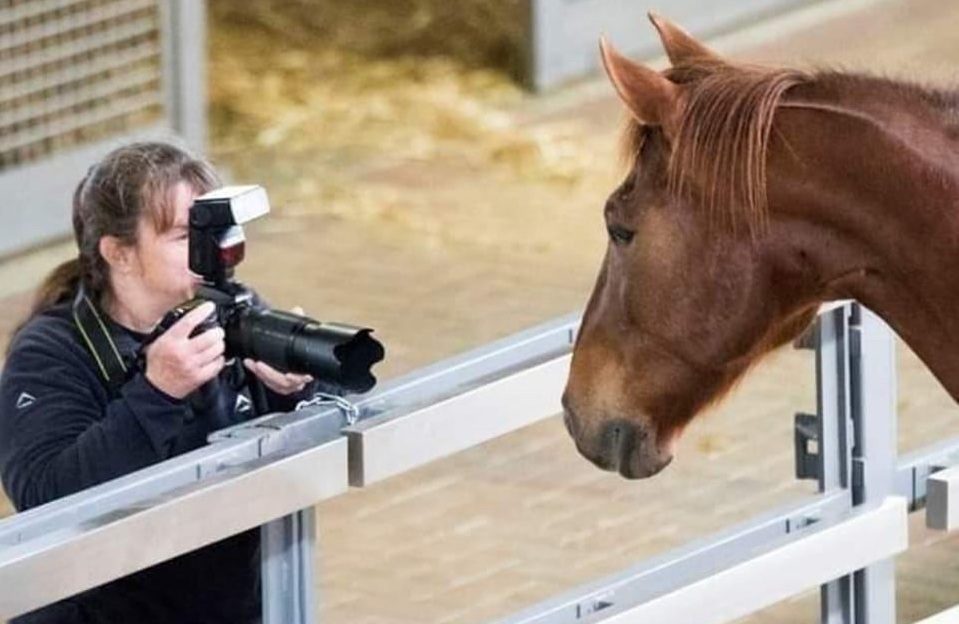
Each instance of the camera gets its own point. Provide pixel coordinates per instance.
(331, 352)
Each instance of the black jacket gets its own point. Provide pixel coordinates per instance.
(61, 431)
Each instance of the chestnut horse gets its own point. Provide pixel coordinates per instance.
(754, 196)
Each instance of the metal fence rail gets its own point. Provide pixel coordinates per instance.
(271, 470)
(268, 469)
(763, 561)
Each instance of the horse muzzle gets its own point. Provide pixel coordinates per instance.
(618, 445)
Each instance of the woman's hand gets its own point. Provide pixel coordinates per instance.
(178, 364)
(280, 383)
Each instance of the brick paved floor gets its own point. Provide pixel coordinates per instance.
(468, 254)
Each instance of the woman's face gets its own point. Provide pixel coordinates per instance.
(162, 258)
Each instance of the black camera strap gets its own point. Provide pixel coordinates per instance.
(97, 337)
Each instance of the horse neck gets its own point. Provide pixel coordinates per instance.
(871, 185)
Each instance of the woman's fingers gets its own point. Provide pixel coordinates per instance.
(283, 383)
(210, 352)
(207, 339)
(264, 372)
(190, 320)
(211, 369)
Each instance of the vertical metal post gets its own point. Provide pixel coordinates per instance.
(184, 68)
(835, 440)
(287, 560)
(873, 402)
(542, 17)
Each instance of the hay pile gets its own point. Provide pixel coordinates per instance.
(306, 93)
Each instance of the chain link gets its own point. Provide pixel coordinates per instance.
(350, 410)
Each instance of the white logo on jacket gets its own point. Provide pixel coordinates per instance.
(25, 400)
(243, 404)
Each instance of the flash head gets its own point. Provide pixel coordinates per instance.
(229, 205)
(217, 241)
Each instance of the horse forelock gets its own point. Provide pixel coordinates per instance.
(718, 155)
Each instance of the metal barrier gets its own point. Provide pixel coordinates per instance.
(273, 469)
(78, 77)
(561, 38)
(796, 548)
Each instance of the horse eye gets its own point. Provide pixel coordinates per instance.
(620, 235)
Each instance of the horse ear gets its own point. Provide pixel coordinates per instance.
(680, 46)
(651, 97)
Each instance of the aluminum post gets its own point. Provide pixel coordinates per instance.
(288, 546)
(835, 443)
(873, 401)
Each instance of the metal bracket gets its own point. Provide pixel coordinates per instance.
(594, 604)
(806, 431)
(858, 473)
(802, 521)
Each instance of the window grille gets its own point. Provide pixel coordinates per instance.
(73, 72)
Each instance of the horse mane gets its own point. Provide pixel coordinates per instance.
(719, 151)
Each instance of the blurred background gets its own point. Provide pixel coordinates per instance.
(437, 170)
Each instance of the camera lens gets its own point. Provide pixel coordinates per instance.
(292, 343)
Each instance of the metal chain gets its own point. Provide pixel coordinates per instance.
(350, 410)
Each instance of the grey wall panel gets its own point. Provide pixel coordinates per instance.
(79, 77)
(564, 33)
(36, 198)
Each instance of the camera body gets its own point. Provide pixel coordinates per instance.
(331, 352)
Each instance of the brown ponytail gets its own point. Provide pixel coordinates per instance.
(130, 183)
(59, 286)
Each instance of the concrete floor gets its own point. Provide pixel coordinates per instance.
(473, 254)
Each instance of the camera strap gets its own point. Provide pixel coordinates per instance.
(97, 337)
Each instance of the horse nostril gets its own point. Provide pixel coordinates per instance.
(617, 443)
(617, 431)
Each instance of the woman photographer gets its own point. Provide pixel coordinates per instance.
(79, 407)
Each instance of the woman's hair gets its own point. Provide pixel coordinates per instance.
(131, 183)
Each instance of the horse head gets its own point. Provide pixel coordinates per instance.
(694, 287)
